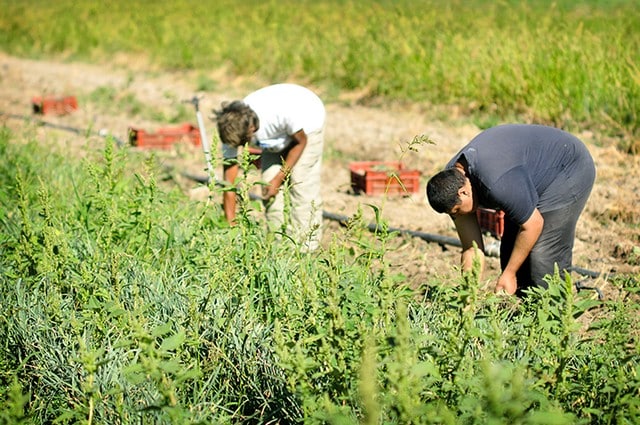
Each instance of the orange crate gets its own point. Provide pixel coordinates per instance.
(491, 221)
(164, 138)
(383, 177)
(54, 105)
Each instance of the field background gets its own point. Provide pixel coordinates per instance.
(388, 71)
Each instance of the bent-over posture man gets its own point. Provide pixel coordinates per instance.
(541, 177)
(286, 122)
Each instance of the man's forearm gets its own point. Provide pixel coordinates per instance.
(468, 256)
(229, 206)
(525, 240)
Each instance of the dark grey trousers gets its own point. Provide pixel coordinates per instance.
(555, 245)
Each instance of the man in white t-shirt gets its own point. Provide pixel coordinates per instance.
(286, 122)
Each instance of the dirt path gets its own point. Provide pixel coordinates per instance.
(606, 234)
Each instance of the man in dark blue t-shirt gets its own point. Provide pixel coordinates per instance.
(541, 177)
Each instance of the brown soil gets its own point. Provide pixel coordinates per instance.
(606, 234)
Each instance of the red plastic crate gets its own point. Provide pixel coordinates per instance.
(383, 178)
(165, 137)
(54, 105)
(491, 221)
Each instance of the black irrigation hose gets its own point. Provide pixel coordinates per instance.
(372, 227)
(589, 276)
(79, 131)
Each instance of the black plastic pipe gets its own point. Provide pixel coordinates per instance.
(78, 131)
(439, 239)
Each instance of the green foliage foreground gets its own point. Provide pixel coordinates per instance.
(124, 303)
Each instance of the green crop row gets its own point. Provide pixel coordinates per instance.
(123, 302)
(567, 63)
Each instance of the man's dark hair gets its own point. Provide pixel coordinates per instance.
(442, 190)
(234, 120)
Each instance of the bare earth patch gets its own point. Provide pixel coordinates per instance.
(607, 233)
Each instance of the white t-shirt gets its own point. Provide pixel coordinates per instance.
(283, 109)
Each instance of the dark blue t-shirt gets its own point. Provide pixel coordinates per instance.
(518, 167)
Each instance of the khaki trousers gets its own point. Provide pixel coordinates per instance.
(297, 208)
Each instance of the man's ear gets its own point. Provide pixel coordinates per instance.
(466, 187)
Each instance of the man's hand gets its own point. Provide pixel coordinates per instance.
(271, 190)
(507, 282)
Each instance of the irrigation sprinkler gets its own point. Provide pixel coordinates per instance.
(206, 146)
